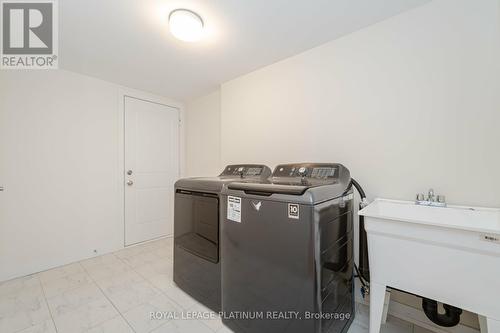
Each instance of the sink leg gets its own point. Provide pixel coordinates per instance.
(492, 325)
(377, 297)
(483, 326)
(386, 306)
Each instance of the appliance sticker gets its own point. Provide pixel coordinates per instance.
(293, 211)
(234, 209)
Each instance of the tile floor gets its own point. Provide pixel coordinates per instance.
(115, 293)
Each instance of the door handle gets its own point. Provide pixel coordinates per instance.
(130, 183)
(129, 172)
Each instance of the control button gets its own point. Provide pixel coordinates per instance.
(240, 169)
(302, 170)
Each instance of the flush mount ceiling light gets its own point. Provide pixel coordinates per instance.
(185, 25)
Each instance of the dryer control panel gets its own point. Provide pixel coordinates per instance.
(308, 170)
(247, 170)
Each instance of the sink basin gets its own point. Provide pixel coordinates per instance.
(449, 254)
(457, 217)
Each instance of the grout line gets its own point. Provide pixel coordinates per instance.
(90, 282)
(162, 293)
(110, 301)
(47, 303)
(154, 287)
(142, 276)
(173, 300)
(84, 270)
(72, 274)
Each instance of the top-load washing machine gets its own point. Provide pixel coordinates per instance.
(287, 246)
(196, 231)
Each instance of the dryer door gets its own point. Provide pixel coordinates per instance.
(196, 227)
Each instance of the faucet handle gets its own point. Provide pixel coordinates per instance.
(430, 195)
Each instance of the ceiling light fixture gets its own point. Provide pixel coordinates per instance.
(185, 25)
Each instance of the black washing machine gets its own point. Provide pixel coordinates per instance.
(287, 246)
(196, 231)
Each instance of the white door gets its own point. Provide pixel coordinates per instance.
(151, 168)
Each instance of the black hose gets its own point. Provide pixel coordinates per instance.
(450, 318)
(363, 282)
(364, 267)
(358, 188)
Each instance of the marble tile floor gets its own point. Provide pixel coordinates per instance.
(116, 293)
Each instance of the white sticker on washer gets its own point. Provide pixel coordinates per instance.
(293, 211)
(234, 209)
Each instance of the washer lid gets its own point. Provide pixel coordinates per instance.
(231, 173)
(271, 188)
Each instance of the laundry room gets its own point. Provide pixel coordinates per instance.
(250, 166)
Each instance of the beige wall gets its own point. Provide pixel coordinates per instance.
(203, 136)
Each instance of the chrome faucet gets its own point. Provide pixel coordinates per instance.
(430, 195)
(431, 200)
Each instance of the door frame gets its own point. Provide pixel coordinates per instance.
(147, 97)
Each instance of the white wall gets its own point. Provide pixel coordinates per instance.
(203, 136)
(410, 103)
(60, 153)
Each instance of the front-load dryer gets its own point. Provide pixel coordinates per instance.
(196, 231)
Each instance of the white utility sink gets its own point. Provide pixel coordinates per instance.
(449, 254)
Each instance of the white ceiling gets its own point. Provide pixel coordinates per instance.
(127, 41)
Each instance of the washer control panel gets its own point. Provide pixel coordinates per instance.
(307, 170)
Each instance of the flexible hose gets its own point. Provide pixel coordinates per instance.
(450, 318)
(358, 188)
(364, 269)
